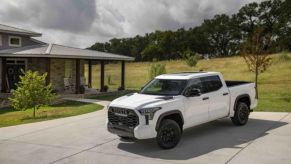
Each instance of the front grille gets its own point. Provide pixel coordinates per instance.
(122, 117)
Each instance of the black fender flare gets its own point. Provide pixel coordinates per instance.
(240, 97)
(167, 114)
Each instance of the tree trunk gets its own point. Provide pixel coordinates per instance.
(257, 76)
(33, 112)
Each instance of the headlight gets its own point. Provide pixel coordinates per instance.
(149, 112)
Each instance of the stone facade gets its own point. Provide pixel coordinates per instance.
(58, 73)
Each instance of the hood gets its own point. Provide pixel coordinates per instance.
(137, 101)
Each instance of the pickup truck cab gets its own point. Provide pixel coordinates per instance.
(171, 103)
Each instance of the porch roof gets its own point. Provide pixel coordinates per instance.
(60, 51)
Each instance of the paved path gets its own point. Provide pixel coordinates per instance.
(100, 102)
(84, 139)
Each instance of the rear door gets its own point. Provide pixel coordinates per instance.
(218, 96)
(196, 107)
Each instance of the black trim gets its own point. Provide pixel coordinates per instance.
(167, 114)
(120, 130)
(240, 97)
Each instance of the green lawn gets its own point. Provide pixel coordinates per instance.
(9, 117)
(274, 85)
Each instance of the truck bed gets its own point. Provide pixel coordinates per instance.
(235, 83)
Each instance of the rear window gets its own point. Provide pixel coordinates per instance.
(211, 83)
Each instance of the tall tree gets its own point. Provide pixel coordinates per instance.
(256, 53)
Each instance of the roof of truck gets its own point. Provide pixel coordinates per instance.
(185, 75)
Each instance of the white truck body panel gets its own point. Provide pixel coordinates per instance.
(195, 110)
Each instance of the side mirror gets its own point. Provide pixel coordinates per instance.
(192, 92)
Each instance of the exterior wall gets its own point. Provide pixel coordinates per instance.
(36, 64)
(57, 69)
(25, 41)
(58, 73)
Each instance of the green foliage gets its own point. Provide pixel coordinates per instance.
(109, 81)
(156, 69)
(190, 58)
(283, 57)
(218, 36)
(31, 92)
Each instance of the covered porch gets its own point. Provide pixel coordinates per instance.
(65, 67)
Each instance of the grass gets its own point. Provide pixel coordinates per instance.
(274, 84)
(9, 116)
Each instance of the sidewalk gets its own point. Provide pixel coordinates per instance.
(94, 101)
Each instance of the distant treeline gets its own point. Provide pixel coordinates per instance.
(220, 36)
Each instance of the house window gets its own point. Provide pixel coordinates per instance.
(14, 41)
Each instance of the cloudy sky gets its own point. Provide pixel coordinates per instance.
(81, 23)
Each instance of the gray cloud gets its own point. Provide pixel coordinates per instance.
(82, 22)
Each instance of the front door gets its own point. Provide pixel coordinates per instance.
(196, 107)
(14, 68)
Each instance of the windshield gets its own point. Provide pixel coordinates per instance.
(164, 87)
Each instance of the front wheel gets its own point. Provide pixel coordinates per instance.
(241, 114)
(169, 134)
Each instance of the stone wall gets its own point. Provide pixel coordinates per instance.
(58, 73)
(57, 70)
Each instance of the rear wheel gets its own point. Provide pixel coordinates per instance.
(169, 134)
(241, 114)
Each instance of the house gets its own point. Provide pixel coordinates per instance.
(64, 65)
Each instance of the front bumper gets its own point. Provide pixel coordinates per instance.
(120, 130)
(139, 132)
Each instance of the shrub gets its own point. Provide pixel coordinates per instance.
(105, 89)
(156, 69)
(190, 58)
(109, 82)
(283, 57)
(31, 92)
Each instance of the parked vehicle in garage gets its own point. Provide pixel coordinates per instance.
(171, 103)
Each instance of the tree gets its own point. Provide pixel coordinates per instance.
(156, 69)
(190, 58)
(32, 92)
(220, 36)
(255, 53)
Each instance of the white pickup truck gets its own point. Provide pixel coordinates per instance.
(171, 103)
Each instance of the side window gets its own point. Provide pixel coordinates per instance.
(211, 83)
(0, 40)
(196, 83)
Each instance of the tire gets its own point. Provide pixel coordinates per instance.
(169, 134)
(241, 115)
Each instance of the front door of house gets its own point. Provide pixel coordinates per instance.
(14, 68)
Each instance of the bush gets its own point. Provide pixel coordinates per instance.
(109, 82)
(190, 58)
(31, 92)
(283, 57)
(156, 69)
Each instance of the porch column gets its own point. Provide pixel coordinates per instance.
(4, 77)
(122, 75)
(48, 71)
(89, 73)
(102, 67)
(77, 76)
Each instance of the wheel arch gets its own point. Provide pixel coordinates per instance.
(175, 115)
(242, 98)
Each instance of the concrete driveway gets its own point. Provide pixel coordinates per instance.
(84, 139)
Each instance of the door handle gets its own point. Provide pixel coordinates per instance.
(224, 94)
(205, 98)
